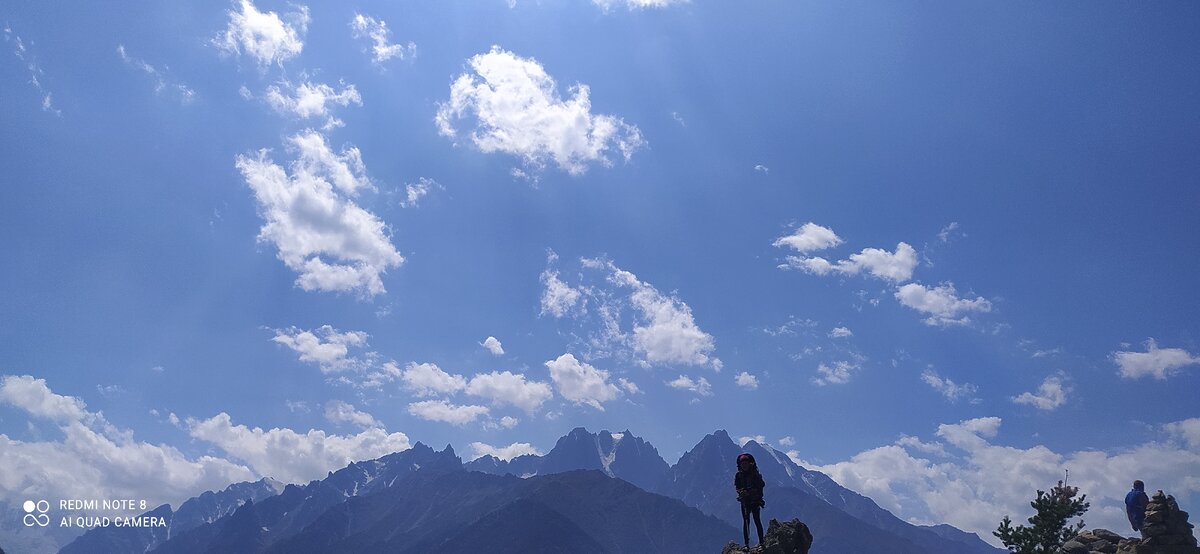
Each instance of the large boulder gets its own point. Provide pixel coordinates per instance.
(791, 537)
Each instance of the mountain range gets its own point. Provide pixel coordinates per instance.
(593, 492)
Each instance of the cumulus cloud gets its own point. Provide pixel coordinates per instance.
(557, 297)
(375, 30)
(700, 386)
(310, 217)
(941, 303)
(517, 110)
(1187, 431)
(810, 237)
(840, 333)
(891, 266)
(290, 456)
(327, 347)
(836, 373)
(1051, 394)
(339, 412)
(1156, 362)
(161, 83)
(93, 458)
(667, 332)
(943, 385)
(443, 411)
(967, 480)
(492, 344)
(581, 383)
(747, 381)
(760, 439)
(787, 441)
(504, 387)
(312, 100)
(503, 452)
(264, 36)
(429, 380)
(629, 386)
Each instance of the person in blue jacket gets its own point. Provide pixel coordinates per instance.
(1135, 505)
(749, 485)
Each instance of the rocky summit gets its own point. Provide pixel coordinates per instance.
(792, 537)
(1166, 531)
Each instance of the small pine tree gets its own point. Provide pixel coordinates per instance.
(1049, 528)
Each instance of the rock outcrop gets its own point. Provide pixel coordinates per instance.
(1101, 541)
(791, 537)
(1166, 530)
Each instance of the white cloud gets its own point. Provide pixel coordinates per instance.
(1156, 362)
(333, 244)
(636, 4)
(339, 412)
(414, 192)
(506, 422)
(376, 30)
(503, 452)
(941, 303)
(510, 388)
(892, 266)
(787, 441)
(629, 386)
(161, 84)
(1187, 431)
(951, 390)
(745, 380)
(581, 383)
(762, 169)
(1051, 394)
(668, 333)
(428, 379)
(557, 297)
(309, 100)
(810, 237)
(517, 110)
(35, 398)
(972, 483)
(94, 459)
(756, 438)
(840, 333)
(327, 347)
(838, 373)
(35, 71)
(944, 234)
(290, 456)
(700, 386)
(440, 410)
(264, 35)
(492, 344)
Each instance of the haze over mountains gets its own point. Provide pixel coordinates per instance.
(593, 492)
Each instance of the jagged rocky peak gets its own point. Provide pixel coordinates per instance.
(791, 537)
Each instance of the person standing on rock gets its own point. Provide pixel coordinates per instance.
(749, 485)
(1135, 505)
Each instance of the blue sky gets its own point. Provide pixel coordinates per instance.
(941, 252)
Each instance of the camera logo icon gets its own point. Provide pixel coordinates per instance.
(35, 513)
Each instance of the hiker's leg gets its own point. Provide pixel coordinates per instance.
(758, 523)
(745, 525)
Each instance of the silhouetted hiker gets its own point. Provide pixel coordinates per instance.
(1135, 505)
(749, 484)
